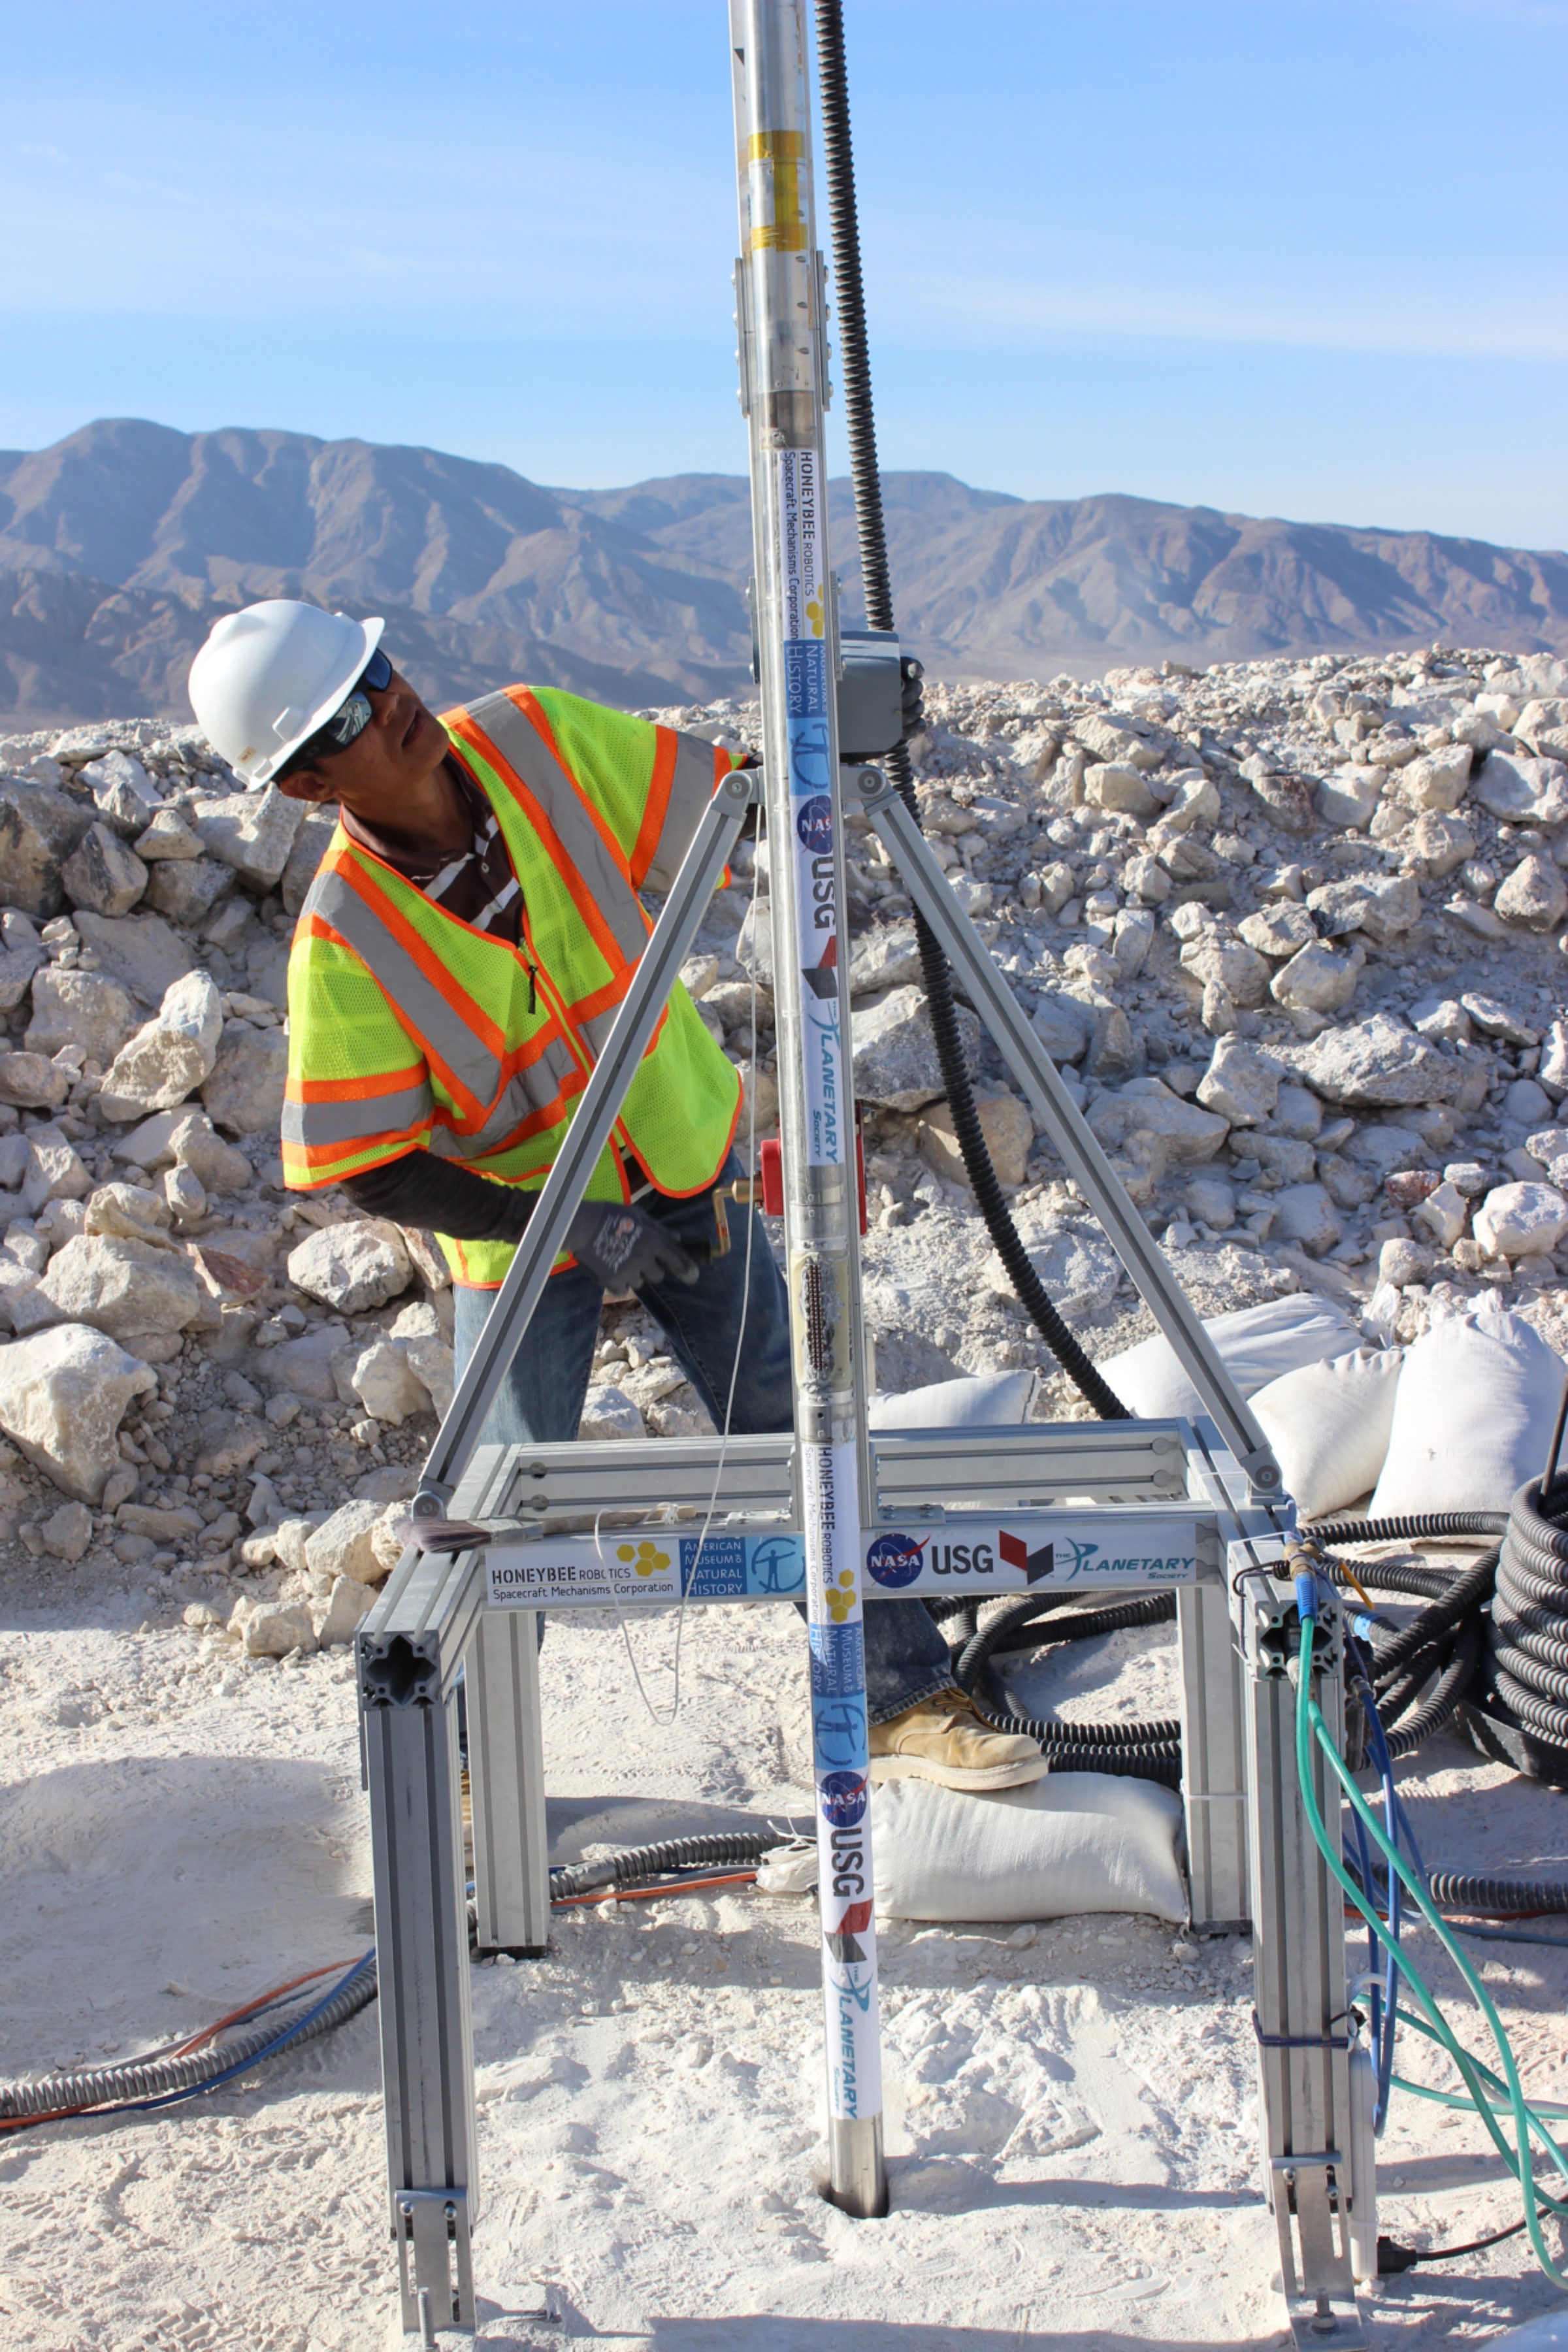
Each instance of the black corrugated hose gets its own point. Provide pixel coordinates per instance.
(736, 1847)
(856, 373)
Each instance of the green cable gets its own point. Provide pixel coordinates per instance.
(1311, 1723)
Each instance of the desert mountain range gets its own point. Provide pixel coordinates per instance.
(122, 543)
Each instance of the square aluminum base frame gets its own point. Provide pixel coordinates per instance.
(1108, 1506)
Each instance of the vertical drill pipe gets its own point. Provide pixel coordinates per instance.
(780, 315)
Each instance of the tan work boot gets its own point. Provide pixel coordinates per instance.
(943, 1738)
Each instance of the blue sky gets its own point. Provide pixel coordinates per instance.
(1290, 256)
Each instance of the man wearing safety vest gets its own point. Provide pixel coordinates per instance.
(455, 969)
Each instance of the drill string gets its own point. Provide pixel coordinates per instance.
(664, 1722)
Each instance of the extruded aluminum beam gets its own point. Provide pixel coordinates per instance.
(1076, 1142)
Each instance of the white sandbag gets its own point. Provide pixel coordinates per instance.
(1472, 1416)
(1329, 1425)
(1074, 1842)
(995, 1400)
(1257, 1345)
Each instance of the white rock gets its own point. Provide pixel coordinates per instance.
(339, 1617)
(1119, 786)
(1240, 1083)
(79, 1008)
(894, 1054)
(168, 836)
(1436, 845)
(251, 831)
(68, 1532)
(1523, 792)
(122, 790)
(1348, 797)
(1278, 931)
(139, 949)
(1195, 802)
(1213, 960)
(354, 1266)
(55, 1170)
(102, 874)
(1316, 980)
(31, 1082)
(1305, 1213)
(62, 1396)
(1521, 1220)
(1439, 779)
(1534, 894)
(272, 1629)
(341, 1545)
(129, 1210)
(245, 1092)
(1443, 1213)
(118, 1285)
(609, 1413)
(169, 1054)
(385, 1383)
(1553, 1073)
(1378, 1062)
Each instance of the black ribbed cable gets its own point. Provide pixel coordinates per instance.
(875, 586)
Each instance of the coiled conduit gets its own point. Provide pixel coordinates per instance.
(860, 423)
(97, 2087)
(1525, 1677)
(640, 1863)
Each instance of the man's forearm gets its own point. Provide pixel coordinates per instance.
(418, 1188)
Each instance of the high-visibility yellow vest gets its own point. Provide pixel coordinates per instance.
(408, 1028)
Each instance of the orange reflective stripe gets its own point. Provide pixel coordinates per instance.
(666, 749)
(592, 915)
(472, 1014)
(523, 698)
(385, 1082)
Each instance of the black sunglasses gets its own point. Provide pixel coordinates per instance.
(347, 723)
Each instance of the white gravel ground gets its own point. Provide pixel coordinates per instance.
(1072, 2119)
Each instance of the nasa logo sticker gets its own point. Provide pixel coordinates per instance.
(842, 1796)
(813, 823)
(894, 1561)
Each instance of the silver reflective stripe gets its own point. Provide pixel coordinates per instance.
(535, 1088)
(528, 755)
(690, 790)
(443, 1030)
(314, 1123)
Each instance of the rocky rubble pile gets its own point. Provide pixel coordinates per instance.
(1293, 933)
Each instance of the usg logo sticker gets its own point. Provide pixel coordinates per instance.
(894, 1561)
(814, 823)
(1035, 1564)
(842, 1796)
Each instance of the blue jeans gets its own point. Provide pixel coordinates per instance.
(540, 1401)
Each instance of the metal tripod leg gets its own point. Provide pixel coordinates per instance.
(506, 1784)
(591, 1121)
(410, 1725)
(1063, 1121)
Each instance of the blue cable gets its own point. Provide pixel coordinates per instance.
(280, 2041)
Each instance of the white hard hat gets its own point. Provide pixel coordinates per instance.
(269, 675)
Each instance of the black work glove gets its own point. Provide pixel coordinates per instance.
(624, 1249)
(914, 713)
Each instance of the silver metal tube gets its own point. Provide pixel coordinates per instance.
(780, 288)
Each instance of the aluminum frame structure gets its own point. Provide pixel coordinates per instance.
(1090, 1508)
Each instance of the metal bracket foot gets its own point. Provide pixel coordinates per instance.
(1330, 2322)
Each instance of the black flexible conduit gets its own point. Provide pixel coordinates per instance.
(735, 1849)
(860, 423)
(1147, 1751)
(97, 2087)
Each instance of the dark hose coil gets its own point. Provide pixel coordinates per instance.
(735, 1849)
(855, 370)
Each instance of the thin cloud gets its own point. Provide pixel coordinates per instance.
(1538, 333)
